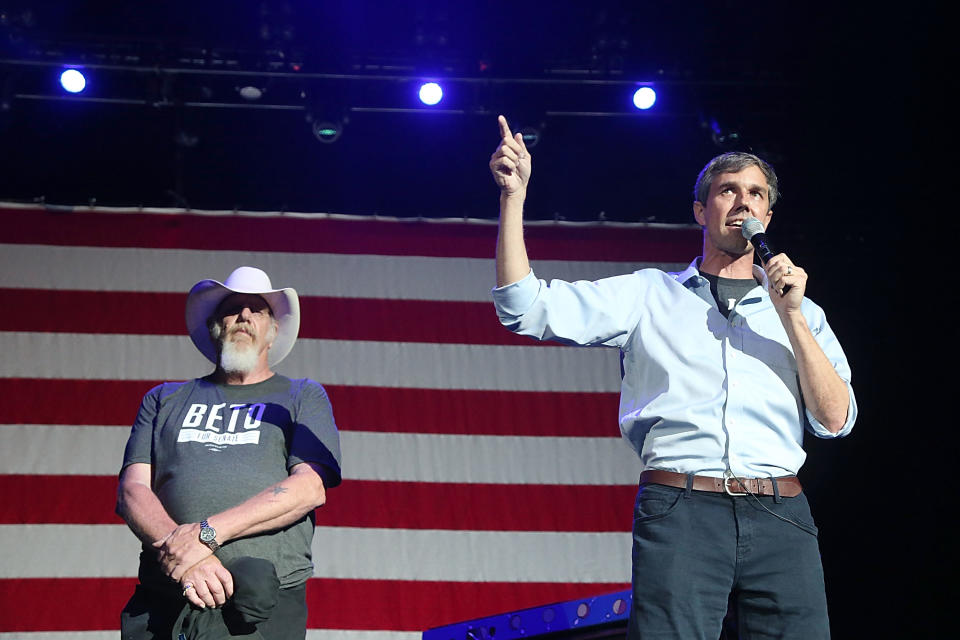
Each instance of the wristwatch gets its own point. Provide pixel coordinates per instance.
(208, 535)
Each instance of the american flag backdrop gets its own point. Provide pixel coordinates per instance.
(483, 472)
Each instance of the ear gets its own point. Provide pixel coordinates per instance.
(274, 330)
(698, 213)
(214, 328)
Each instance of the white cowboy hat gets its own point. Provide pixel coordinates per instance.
(204, 297)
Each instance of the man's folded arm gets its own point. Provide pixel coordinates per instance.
(139, 506)
(277, 506)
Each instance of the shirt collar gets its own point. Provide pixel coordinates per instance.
(691, 278)
(761, 277)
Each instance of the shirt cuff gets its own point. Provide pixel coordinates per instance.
(515, 299)
(822, 432)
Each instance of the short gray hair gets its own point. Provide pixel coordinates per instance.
(734, 162)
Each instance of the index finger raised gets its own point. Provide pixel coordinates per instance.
(504, 128)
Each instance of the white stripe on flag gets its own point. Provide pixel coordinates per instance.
(68, 551)
(312, 634)
(63, 635)
(311, 274)
(409, 554)
(343, 362)
(343, 634)
(414, 457)
(489, 459)
(75, 551)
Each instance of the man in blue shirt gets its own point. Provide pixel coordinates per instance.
(724, 366)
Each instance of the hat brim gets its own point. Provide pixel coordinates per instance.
(206, 295)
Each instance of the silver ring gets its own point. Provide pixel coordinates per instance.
(789, 270)
(187, 588)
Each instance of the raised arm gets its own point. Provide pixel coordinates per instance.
(510, 165)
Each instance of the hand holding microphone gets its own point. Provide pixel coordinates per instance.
(783, 275)
(752, 229)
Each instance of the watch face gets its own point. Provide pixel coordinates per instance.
(207, 534)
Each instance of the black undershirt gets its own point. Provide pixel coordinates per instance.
(726, 289)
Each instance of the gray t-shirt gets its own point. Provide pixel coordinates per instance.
(728, 291)
(213, 446)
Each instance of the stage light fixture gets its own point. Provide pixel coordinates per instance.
(72, 81)
(644, 98)
(327, 123)
(430, 93)
(327, 131)
(250, 93)
(722, 136)
(531, 136)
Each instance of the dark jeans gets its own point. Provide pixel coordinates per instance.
(150, 615)
(693, 551)
(289, 619)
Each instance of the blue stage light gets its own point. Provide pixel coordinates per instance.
(644, 97)
(430, 93)
(72, 81)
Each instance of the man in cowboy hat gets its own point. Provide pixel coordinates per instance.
(228, 466)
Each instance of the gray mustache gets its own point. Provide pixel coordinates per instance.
(244, 328)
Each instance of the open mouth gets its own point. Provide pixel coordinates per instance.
(735, 223)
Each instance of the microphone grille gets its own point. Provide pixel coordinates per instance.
(751, 227)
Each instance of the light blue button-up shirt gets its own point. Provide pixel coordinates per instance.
(700, 393)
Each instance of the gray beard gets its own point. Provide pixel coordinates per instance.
(234, 360)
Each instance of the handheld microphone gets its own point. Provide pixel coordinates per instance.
(752, 230)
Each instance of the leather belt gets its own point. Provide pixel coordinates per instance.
(788, 486)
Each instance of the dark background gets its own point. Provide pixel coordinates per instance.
(841, 100)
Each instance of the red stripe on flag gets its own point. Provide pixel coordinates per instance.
(41, 499)
(493, 507)
(154, 313)
(93, 604)
(382, 409)
(391, 605)
(476, 412)
(319, 234)
(63, 604)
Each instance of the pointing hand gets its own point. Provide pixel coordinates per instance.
(510, 163)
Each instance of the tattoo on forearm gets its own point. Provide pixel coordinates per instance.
(278, 490)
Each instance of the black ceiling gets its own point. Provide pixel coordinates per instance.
(789, 80)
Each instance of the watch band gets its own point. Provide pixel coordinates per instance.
(208, 535)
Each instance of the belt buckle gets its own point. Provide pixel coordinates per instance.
(727, 477)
